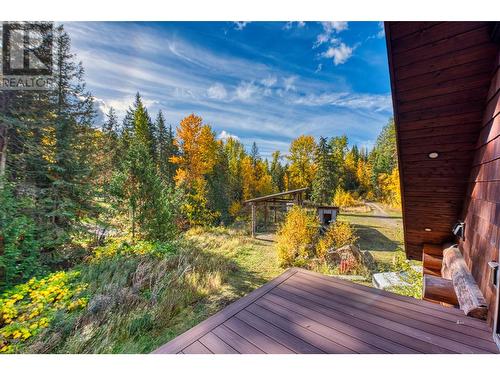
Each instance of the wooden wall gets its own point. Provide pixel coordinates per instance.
(481, 211)
(440, 74)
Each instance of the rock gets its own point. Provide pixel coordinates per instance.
(350, 258)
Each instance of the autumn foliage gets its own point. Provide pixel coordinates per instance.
(297, 236)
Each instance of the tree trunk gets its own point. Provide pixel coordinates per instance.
(3, 151)
(254, 220)
(469, 295)
(437, 289)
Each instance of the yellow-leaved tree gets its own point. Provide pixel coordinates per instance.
(197, 147)
(302, 169)
(297, 236)
(390, 188)
(343, 198)
(256, 179)
(363, 174)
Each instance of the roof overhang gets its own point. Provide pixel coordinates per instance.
(440, 74)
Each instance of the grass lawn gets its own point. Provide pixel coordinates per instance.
(380, 235)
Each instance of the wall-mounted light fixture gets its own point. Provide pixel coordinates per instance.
(433, 155)
(459, 230)
(428, 229)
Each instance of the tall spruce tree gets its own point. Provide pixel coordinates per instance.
(277, 171)
(324, 182)
(338, 149)
(165, 149)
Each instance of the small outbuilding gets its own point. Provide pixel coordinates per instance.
(327, 214)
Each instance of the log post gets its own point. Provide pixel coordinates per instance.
(265, 215)
(432, 262)
(437, 289)
(254, 219)
(469, 295)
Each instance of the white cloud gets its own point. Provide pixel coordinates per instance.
(373, 102)
(337, 49)
(340, 53)
(338, 26)
(224, 135)
(120, 105)
(217, 91)
(329, 29)
(289, 24)
(381, 31)
(318, 69)
(289, 83)
(240, 25)
(246, 91)
(269, 81)
(380, 34)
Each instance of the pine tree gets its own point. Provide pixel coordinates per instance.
(51, 148)
(254, 154)
(144, 128)
(277, 171)
(218, 190)
(324, 182)
(235, 152)
(338, 147)
(165, 149)
(383, 157)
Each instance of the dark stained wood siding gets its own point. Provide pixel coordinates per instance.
(440, 77)
(481, 211)
(305, 312)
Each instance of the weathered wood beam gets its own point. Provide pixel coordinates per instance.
(254, 219)
(432, 262)
(469, 295)
(437, 289)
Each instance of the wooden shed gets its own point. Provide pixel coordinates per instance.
(445, 79)
(327, 214)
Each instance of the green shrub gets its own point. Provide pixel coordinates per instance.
(19, 248)
(27, 309)
(296, 238)
(413, 278)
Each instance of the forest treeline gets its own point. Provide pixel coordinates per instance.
(63, 176)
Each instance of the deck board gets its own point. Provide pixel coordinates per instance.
(304, 312)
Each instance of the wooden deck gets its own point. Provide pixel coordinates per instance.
(305, 312)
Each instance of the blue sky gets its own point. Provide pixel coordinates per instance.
(267, 82)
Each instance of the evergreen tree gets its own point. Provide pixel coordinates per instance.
(338, 147)
(254, 154)
(166, 149)
(218, 190)
(144, 128)
(323, 184)
(277, 171)
(235, 152)
(383, 157)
